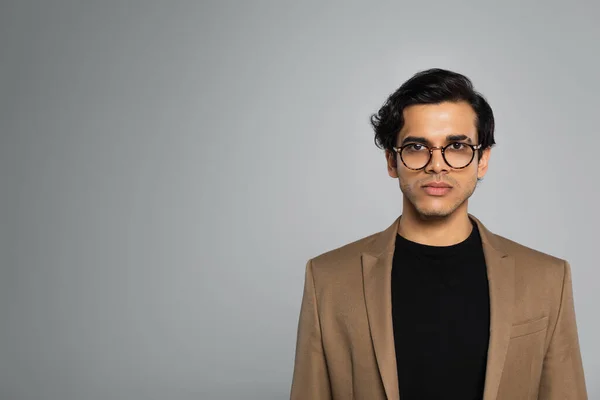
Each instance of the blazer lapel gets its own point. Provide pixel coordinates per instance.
(501, 275)
(377, 275)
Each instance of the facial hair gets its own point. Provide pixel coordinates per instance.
(461, 194)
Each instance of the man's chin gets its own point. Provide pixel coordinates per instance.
(432, 214)
(434, 211)
(432, 208)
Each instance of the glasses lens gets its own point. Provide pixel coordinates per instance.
(415, 156)
(458, 155)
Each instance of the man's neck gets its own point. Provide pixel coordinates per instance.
(445, 231)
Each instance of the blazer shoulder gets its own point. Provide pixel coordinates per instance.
(529, 255)
(345, 253)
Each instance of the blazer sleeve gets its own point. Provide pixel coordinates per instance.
(311, 379)
(562, 373)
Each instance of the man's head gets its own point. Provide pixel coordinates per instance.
(434, 109)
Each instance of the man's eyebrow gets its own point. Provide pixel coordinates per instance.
(458, 138)
(449, 138)
(415, 139)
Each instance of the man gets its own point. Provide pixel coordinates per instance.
(436, 306)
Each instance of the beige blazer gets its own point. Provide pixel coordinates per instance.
(345, 343)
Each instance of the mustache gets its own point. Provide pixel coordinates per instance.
(438, 178)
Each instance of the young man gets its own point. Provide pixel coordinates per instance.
(436, 306)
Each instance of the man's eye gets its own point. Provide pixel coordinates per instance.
(415, 147)
(458, 146)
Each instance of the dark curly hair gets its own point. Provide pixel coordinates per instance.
(431, 86)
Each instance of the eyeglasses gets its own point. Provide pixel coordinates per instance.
(417, 156)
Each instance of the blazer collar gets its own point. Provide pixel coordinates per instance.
(377, 268)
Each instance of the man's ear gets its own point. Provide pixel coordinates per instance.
(483, 163)
(392, 163)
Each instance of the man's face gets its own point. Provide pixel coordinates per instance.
(436, 125)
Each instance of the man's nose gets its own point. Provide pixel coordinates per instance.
(437, 163)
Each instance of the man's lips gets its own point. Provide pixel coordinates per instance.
(437, 185)
(436, 188)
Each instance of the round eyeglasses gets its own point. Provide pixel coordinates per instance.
(417, 156)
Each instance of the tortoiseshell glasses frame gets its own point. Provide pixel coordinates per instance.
(473, 147)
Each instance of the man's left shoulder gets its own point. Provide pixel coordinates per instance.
(529, 258)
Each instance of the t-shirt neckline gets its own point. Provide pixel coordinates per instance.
(438, 251)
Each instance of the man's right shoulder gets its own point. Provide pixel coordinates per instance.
(346, 253)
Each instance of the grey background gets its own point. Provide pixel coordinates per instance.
(166, 170)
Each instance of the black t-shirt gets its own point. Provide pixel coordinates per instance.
(441, 319)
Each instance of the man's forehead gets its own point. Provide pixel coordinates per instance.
(446, 115)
